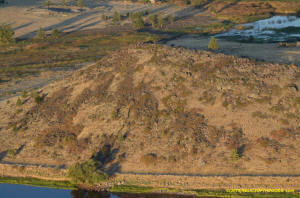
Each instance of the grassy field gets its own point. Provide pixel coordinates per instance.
(32, 56)
(37, 182)
(200, 193)
(144, 190)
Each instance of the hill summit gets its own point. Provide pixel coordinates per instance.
(155, 109)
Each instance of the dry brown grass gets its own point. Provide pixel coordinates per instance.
(206, 106)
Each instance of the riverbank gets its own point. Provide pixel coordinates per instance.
(37, 182)
(155, 183)
(136, 190)
(189, 142)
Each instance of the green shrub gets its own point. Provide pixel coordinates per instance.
(55, 33)
(80, 3)
(11, 152)
(37, 98)
(14, 127)
(213, 9)
(115, 114)
(116, 17)
(104, 17)
(234, 156)
(160, 21)
(19, 111)
(24, 94)
(6, 34)
(171, 19)
(152, 19)
(40, 35)
(87, 173)
(199, 3)
(121, 137)
(47, 3)
(138, 23)
(19, 102)
(213, 45)
(259, 114)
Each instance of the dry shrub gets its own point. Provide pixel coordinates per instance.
(263, 141)
(193, 151)
(266, 142)
(208, 97)
(214, 134)
(178, 148)
(284, 121)
(35, 46)
(52, 107)
(103, 80)
(145, 106)
(149, 159)
(65, 136)
(125, 92)
(279, 134)
(264, 100)
(235, 138)
(174, 104)
(276, 90)
(242, 102)
(269, 160)
(182, 90)
(226, 61)
(260, 115)
(53, 138)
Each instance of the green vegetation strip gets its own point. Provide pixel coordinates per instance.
(200, 193)
(32, 56)
(37, 182)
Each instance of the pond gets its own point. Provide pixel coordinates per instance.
(274, 29)
(19, 191)
(259, 40)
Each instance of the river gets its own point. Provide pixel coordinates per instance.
(258, 40)
(23, 191)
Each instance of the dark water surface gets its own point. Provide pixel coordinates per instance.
(22, 191)
(274, 29)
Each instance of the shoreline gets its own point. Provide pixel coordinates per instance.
(155, 183)
(133, 189)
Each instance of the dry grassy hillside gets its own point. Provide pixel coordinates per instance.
(153, 108)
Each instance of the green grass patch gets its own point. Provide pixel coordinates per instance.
(37, 182)
(200, 193)
(213, 28)
(132, 189)
(32, 56)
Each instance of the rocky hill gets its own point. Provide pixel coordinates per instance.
(156, 109)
